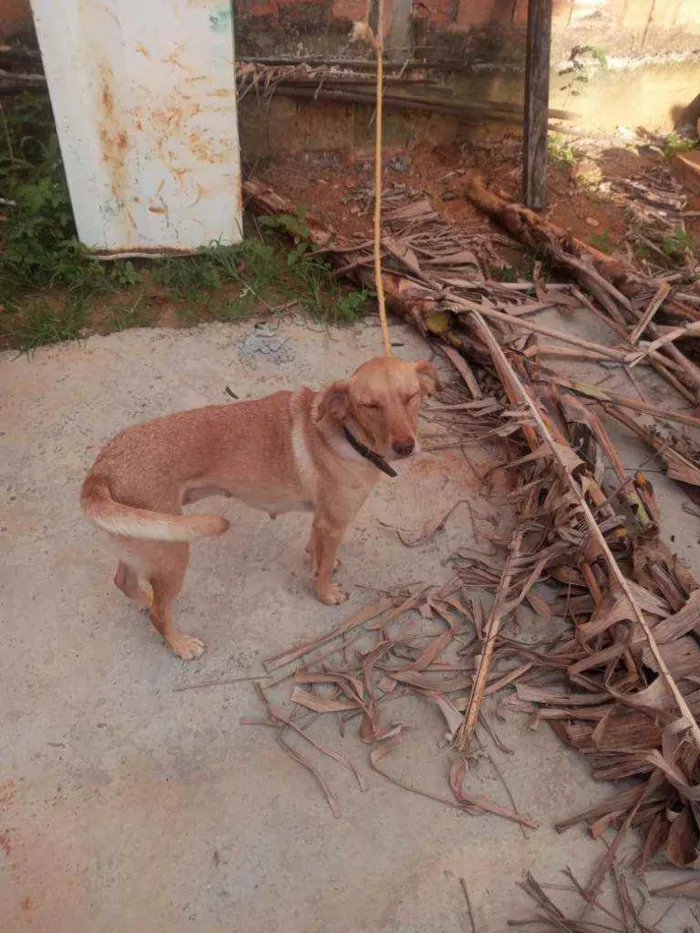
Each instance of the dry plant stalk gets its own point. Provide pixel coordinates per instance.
(686, 330)
(504, 365)
(615, 283)
(359, 618)
(624, 401)
(498, 611)
(661, 294)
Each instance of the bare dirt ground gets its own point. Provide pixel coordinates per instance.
(338, 187)
(128, 804)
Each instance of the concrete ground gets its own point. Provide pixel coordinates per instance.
(126, 805)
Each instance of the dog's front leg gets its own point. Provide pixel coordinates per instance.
(311, 551)
(326, 534)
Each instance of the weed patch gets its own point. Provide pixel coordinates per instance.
(52, 289)
(602, 241)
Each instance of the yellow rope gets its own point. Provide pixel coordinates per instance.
(379, 285)
(362, 32)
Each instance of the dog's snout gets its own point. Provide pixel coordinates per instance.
(404, 448)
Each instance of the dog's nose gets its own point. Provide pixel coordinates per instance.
(404, 448)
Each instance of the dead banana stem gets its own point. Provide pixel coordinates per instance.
(503, 364)
(498, 611)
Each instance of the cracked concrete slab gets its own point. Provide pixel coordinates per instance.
(126, 805)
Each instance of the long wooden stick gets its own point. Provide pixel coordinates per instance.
(359, 618)
(498, 611)
(660, 296)
(503, 365)
(624, 401)
(685, 330)
(539, 234)
(563, 353)
(611, 353)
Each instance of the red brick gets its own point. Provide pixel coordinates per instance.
(15, 15)
(259, 8)
(352, 10)
(484, 12)
(437, 12)
(520, 13)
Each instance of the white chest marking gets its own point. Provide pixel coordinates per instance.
(302, 457)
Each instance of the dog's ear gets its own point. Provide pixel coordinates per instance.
(427, 377)
(334, 400)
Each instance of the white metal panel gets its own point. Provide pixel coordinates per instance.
(144, 97)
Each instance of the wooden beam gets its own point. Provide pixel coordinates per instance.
(539, 35)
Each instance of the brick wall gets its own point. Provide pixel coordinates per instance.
(15, 17)
(470, 27)
(651, 45)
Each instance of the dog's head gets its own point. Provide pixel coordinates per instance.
(382, 399)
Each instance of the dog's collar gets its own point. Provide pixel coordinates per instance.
(369, 454)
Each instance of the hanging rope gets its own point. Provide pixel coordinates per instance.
(362, 31)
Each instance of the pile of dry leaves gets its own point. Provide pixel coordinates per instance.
(622, 684)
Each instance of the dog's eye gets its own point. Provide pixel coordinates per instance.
(374, 406)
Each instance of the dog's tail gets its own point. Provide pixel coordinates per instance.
(98, 505)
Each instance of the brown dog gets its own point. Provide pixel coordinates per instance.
(320, 452)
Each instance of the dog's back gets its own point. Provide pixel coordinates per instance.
(244, 450)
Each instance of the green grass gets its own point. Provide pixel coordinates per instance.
(560, 150)
(602, 241)
(504, 274)
(38, 322)
(678, 244)
(675, 143)
(135, 313)
(52, 289)
(642, 251)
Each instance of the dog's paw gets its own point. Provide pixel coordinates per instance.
(332, 595)
(144, 601)
(186, 647)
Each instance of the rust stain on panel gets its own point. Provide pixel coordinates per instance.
(114, 139)
(5, 843)
(207, 149)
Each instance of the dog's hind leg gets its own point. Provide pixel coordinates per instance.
(126, 579)
(166, 578)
